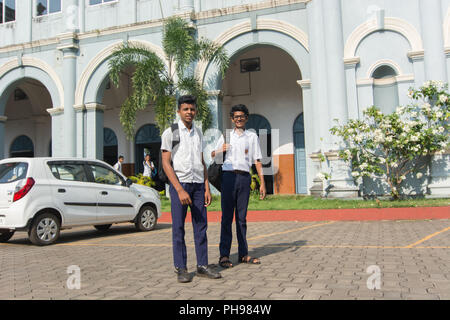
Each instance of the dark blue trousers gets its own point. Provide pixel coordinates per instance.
(199, 222)
(235, 196)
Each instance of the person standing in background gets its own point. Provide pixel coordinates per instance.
(149, 167)
(118, 165)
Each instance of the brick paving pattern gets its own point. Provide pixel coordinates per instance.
(300, 260)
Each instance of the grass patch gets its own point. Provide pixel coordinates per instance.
(297, 202)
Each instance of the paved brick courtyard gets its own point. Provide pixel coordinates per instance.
(300, 260)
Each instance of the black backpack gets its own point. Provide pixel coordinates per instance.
(161, 178)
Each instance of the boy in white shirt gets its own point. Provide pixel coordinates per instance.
(242, 152)
(189, 186)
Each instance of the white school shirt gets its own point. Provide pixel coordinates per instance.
(118, 166)
(244, 151)
(148, 169)
(187, 157)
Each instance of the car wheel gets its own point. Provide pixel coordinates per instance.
(45, 229)
(103, 227)
(5, 236)
(146, 219)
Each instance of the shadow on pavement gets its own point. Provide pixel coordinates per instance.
(265, 250)
(89, 233)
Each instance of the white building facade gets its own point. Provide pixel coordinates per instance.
(296, 64)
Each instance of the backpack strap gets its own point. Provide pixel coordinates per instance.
(175, 136)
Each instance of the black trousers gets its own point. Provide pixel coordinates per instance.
(235, 197)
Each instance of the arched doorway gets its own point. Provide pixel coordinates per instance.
(265, 79)
(148, 140)
(22, 147)
(110, 146)
(263, 129)
(300, 156)
(27, 129)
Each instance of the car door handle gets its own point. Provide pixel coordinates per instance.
(61, 190)
(104, 193)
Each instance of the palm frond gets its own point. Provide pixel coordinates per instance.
(207, 50)
(191, 85)
(179, 43)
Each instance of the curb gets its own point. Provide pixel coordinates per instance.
(369, 214)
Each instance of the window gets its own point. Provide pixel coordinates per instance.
(44, 7)
(7, 11)
(11, 172)
(385, 89)
(105, 176)
(94, 2)
(68, 172)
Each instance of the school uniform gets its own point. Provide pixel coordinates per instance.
(188, 167)
(236, 180)
(149, 170)
(118, 166)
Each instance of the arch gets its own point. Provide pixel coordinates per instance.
(148, 133)
(110, 146)
(390, 23)
(22, 146)
(109, 137)
(384, 62)
(258, 122)
(299, 128)
(97, 69)
(12, 72)
(271, 32)
(301, 184)
(147, 138)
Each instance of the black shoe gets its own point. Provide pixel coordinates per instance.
(182, 275)
(207, 272)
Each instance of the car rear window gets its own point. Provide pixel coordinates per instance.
(14, 171)
(68, 172)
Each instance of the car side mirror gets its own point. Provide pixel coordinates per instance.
(128, 183)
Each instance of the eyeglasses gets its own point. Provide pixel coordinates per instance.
(240, 117)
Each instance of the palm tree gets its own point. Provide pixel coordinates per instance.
(154, 82)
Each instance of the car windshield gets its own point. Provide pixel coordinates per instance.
(14, 171)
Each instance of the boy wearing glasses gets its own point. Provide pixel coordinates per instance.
(242, 152)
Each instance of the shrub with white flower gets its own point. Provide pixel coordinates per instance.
(388, 146)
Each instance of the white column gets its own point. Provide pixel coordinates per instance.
(435, 69)
(433, 39)
(308, 112)
(334, 44)
(341, 184)
(352, 93)
(319, 88)
(80, 115)
(40, 127)
(58, 138)
(94, 131)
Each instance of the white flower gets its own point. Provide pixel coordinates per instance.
(439, 114)
(382, 160)
(441, 129)
(419, 175)
(410, 94)
(394, 165)
(355, 174)
(443, 98)
(320, 176)
(426, 107)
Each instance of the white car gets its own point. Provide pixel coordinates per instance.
(46, 195)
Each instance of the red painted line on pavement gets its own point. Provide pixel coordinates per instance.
(334, 215)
